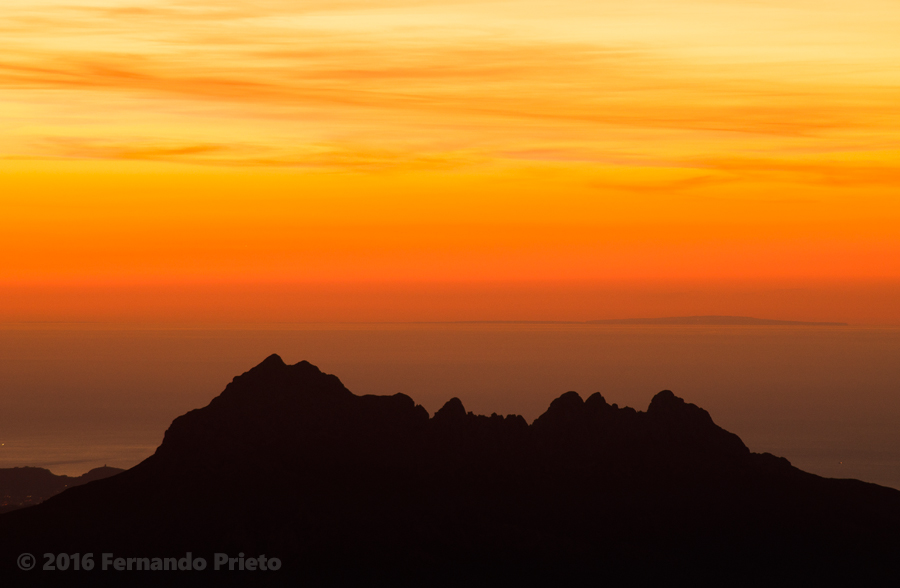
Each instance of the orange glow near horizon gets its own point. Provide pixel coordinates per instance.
(398, 160)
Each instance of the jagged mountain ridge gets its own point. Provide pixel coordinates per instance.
(288, 462)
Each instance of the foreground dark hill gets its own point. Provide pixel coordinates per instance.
(20, 487)
(348, 489)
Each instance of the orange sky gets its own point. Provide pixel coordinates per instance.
(397, 160)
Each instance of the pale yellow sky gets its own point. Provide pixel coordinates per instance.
(381, 84)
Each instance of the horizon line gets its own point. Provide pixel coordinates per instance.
(681, 320)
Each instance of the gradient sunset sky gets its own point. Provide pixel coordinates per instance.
(268, 160)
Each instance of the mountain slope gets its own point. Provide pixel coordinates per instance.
(25, 486)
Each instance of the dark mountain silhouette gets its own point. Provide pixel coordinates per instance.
(353, 490)
(27, 486)
(711, 320)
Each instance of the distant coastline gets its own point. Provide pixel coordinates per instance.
(709, 320)
(712, 320)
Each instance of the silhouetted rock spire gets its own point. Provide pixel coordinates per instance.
(452, 411)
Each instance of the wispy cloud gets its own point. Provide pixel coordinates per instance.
(408, 78)
(828, 171)
(335, 157)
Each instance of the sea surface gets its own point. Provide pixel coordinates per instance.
(78, 396)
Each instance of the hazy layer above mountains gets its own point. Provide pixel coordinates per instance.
(77, 397)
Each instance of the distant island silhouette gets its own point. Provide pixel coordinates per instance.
(720, 320)
(711, 320)
(358, 490)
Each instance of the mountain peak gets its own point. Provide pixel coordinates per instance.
(666, 404)
(273, 359)
(273, 375)
(690, 429)
(668, 407)
(267, 368)
(665, 401)
(563, 412)
(452, 410)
